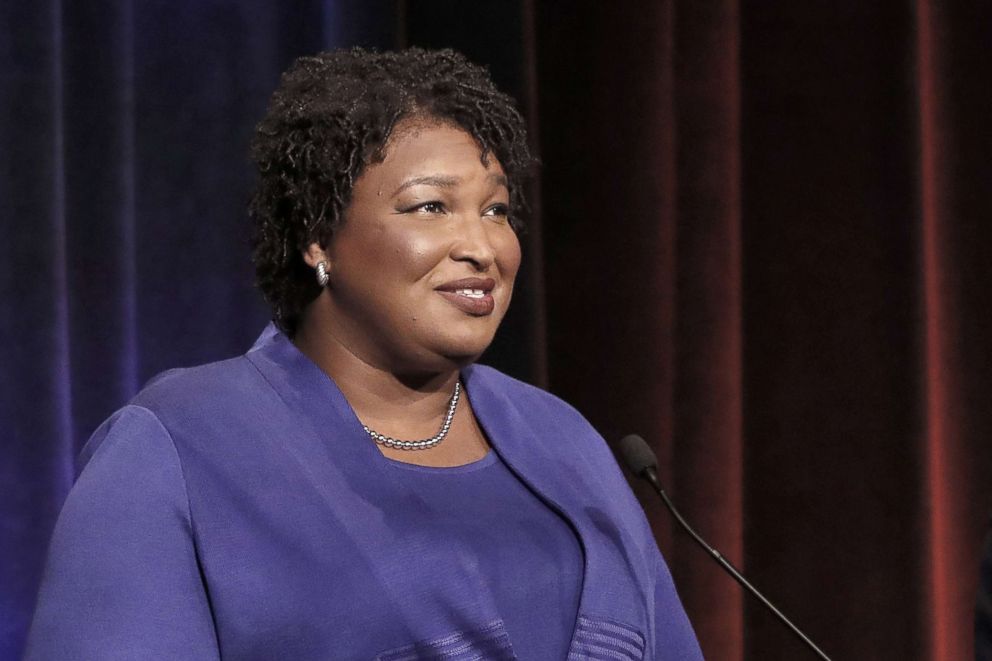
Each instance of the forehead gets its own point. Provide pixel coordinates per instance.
(420, 147)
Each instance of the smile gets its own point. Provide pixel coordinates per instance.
(473, 296)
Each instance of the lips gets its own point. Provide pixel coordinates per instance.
(470, 295)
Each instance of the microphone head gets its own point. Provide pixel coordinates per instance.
(636, 454)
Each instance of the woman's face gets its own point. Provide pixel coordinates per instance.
(422, 268)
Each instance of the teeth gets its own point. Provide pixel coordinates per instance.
(471, 293)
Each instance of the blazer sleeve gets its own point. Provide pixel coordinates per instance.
(122, 579)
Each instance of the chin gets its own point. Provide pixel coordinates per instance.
(463, 356)
(464, 351)
(435, 362)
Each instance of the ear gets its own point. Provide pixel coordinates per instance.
(314, 255)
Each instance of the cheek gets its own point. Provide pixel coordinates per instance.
(417, 254)
(391, 251)
(508, 255)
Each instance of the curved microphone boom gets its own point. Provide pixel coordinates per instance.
(641, 461)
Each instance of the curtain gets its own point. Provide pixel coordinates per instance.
(758, 239)
(765, 226)
(124, 131)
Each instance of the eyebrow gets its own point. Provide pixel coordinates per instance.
(443, 181)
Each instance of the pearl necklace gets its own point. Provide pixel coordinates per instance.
(390, 442)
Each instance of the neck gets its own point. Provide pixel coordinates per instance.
(400, 404)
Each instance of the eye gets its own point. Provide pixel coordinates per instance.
(497, 211)
(434, 206)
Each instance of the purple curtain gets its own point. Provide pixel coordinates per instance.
(123, 134)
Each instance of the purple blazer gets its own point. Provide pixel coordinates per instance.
(238, 510)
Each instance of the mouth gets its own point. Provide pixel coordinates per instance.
(470, 295)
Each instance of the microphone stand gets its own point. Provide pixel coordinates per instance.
(651, 476)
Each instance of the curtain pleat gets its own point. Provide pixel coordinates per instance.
(537, 301)
(100, 196)
(951, 61)
(128, 375)
(938, 432)
(61, 369)
(707, 438)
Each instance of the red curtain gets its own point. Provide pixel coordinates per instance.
(764, 233)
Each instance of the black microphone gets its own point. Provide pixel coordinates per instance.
(642, 462)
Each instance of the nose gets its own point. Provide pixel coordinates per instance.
(472, 243)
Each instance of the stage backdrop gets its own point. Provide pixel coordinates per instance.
(759, 239)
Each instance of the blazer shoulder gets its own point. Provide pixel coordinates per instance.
(216, 382)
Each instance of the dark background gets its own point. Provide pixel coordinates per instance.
(759, 240)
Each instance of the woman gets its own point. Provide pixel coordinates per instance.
(354, 487)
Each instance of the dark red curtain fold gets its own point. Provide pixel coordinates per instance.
(954, 171)
(708, 399)
(938, 432)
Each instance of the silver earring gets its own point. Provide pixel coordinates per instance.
(322, 276)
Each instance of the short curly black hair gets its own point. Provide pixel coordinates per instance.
(331, 116)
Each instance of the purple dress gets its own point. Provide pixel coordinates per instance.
(238, 510)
